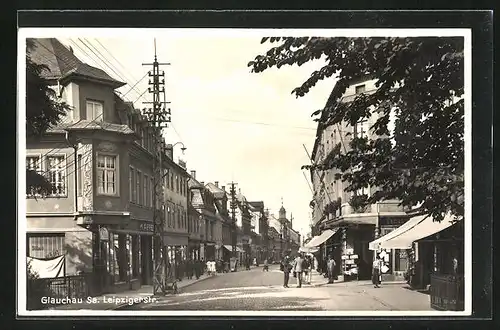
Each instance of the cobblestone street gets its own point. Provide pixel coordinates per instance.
(263, 291)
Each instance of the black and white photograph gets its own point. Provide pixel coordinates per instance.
(244, 171)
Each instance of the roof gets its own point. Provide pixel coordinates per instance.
(197, 199)
(259, 205)
(241, 198)
(62, 63)
(218, 192)
(193, 183)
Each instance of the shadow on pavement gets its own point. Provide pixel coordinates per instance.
(236, 300)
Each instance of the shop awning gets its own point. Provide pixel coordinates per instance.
(375, 245)
(311, 242)
(308, 249)
(230, 248)
(318, 240)
(425, 227)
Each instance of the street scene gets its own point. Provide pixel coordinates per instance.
(232, 171)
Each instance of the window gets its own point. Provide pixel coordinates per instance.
(178, 218)
(360, 89)
(363, 191)
(151, 192)
(80, 174)
(145, 194)
(45, 245)
(56, 169)
(172, 181)
(168, 217)
(131, 184)
(138, 187)
(106, 174)
(360, 128)
(94, 110)
(176, 183)
(33, 163)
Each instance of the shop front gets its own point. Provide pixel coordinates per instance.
(210, 252)
(176, 249)
(122, 256)
(194, 249)
(436, 258)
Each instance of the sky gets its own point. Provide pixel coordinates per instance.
(236, 125)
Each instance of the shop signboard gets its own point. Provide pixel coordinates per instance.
(146, 226)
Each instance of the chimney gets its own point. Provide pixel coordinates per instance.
(170, 151)
(217, 184)
(202, 183)
(239, 190)
(193, 174)
(224, 188)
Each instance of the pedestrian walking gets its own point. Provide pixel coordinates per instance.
(189, 268)
(197, 269)
(331, 269)
(376, 272)
(286, 267)
(298, 269)
(307, 265)
(266, 266)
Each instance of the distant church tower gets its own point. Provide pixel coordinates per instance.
(282, 212)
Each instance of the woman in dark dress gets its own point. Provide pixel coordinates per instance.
(376, 272)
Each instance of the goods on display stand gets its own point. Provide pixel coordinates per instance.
(349, 266)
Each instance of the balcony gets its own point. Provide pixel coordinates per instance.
(390, 206)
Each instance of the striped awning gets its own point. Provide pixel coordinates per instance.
(318, 240)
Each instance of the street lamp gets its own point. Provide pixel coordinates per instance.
(183, 148)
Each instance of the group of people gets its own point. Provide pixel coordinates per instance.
(189, 268)
(301, 267)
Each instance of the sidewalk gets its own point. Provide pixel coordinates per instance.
(112, 301)
(391, 295)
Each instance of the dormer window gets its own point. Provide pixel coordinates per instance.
(94, 110)
(360, 89)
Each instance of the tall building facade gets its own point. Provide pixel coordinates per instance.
(176, 211)
(331, 209)
(99, 162)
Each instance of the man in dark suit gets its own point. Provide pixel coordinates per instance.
(287, 266)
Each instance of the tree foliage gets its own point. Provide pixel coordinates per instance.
(421, 81)
(43, 110)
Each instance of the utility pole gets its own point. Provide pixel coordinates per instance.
(159, 117)
(233, 206)
(266, 233)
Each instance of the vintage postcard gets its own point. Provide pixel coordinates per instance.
(244, 171)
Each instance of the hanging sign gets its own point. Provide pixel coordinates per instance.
(103, 234)
(349, 251)
(345, 257)
(354, 256)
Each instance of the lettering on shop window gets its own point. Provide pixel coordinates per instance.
(392, 221)
(146, 227)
